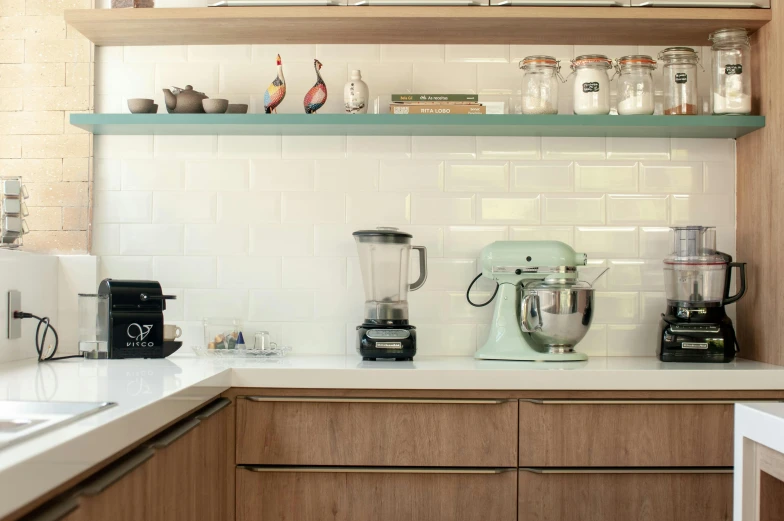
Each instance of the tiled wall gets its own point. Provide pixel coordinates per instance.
(259, 228)
(45, 74)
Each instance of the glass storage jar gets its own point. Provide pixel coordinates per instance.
(541, 76)
(592, 84)
(679, 66)
(731, 77)
(635, 84)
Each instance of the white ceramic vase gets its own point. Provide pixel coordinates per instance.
(355, 94)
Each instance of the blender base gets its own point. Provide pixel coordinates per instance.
(393, 342)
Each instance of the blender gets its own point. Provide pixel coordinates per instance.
(383, 259)
(697, 277)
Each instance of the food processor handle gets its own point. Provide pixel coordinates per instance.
(742, 274)
(422, 268)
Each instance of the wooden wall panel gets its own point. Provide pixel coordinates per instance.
(760, 203)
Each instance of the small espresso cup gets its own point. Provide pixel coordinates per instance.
(171, 332)
(262, 342)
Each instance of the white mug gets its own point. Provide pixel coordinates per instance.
(170, 332)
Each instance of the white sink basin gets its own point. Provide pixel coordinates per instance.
(22, 420)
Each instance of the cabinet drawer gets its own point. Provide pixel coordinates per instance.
(616, 433)
(301, 494)
(608, 495)
(376, 432)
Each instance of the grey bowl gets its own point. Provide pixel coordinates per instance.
(237, 108)
(141, 105)
(215, 105)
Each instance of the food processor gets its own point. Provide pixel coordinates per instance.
(541, 309)
(383, 259)
(696, 327)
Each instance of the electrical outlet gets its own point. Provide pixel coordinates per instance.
(14, 324)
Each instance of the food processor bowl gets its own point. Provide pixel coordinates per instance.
(694, 271)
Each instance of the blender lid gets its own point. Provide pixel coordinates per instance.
(383, 234)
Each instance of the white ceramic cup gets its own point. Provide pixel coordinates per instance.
(171, 332)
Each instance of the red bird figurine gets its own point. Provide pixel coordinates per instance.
(317, 95)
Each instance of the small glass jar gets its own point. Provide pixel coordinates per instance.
(635, 85)
(591, 84)
(679, 66)
(541, 76)
(731, 78)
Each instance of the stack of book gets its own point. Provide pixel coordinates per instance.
(436, 104)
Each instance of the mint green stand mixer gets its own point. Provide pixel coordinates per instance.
(541, 309)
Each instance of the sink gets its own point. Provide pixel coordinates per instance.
(20, 421)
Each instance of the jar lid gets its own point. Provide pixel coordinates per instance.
(677, 52)
(642, 60)
(538, 61)
(729, 33)
(592, 60)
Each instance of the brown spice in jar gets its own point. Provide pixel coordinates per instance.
(687, 109)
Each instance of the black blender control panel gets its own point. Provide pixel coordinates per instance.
(388, 334)
(695, 328)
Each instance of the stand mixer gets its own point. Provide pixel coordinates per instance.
(541, 309)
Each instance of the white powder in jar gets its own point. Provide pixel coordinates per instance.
(536, 105)
(737, 104)
(591, 91)
(637, 104)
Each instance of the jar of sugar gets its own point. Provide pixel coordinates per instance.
(679, 71)
(541, 76)
(635, 84)
(591, 84)
(731, 75)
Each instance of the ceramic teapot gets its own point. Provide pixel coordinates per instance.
(184, 101)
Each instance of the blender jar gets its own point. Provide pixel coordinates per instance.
(383, 259)
(694, 272)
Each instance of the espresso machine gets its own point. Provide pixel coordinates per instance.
(541, 309)
(383, 259)
(695, 327)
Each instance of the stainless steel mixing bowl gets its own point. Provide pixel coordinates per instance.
(556, 315)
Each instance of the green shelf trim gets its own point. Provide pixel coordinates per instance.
(419, 125)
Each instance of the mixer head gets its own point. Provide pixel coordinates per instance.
(513, 261)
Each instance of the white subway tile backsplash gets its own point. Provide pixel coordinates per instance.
(459, 310)
(156, 54)
(123, 207)
(428, 306)
(335, 240)
(113, 267)
(105, 239)
(275, 240)
(542, 176)
(216, 239)
(412, 53)
(708, 210)
(216, 303)
(314, 147)
(339, 305)
(636, 274)
(184, 207)
(107, 174)
(619, 242)
(219, 53)
(564, 53)
(637, 209)
(587, 148)
(573, 209)
(606, 176)
(186, 147)
(508, 209)
(152, 239)
(419, 175)
(217, 175)
(542, 233)
(638, 148)
(594, 343)
(450, 274)
(383, 208)
(669, 177)
(652, 303)
(632, 340)
(719, 178)
(468, 241)
(248, 208)
(152, 174)
(347, 53)
(122, 147)
(313, 207)
(431, 237)
(347, 175)
(446, 340)
(185, 272)
(508, 147)
(477, 53)
(444, 147)
(617, 307)
(442, 208)
(282, 175)
(281, 305)
(384, 79)
(326, 338)
(379, 147)
(314, 272)
(475, 176)
(249, 272)
(203, 76)
(238, 77)
(457, 78)
(499, 79)
(291, 53)
(244, 147)
(654, 242)
(695, 149)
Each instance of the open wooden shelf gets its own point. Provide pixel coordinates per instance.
(410, 25)
(419, 125)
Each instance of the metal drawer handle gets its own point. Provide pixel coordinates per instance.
(115, 473)
(686, 3)
(58, 511)
(630, 470)
(426, 401)
(557, 3)
(213, 408)
(175, 434)
(642, 402)
(377, 470)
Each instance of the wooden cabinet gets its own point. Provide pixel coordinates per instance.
(318, 494)
(618, 433)
(376, 432)
(624, 495)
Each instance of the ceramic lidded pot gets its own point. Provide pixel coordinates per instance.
(184, 101)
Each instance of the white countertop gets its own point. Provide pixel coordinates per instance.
(152, 393)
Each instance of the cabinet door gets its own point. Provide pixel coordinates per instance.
(319, 494)
(376, 432)
(620, 495)
(214, 462)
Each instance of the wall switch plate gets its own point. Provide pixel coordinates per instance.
(14, 324)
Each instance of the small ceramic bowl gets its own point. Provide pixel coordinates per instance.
(141, 105)
(215, 105)
(237, 108)
(154, 109)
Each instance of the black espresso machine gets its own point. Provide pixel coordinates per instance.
(125, 320)
(695, 327)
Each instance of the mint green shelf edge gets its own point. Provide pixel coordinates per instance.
(418, 125)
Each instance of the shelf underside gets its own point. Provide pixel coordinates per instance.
(419, 125)
(410, 25)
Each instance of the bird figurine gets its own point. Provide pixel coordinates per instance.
(317, 95)
(275, 92)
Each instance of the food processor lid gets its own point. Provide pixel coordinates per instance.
(383, 234)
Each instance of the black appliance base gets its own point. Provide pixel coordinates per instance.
(376, 342)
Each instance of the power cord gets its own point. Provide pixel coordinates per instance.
(40, 339)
